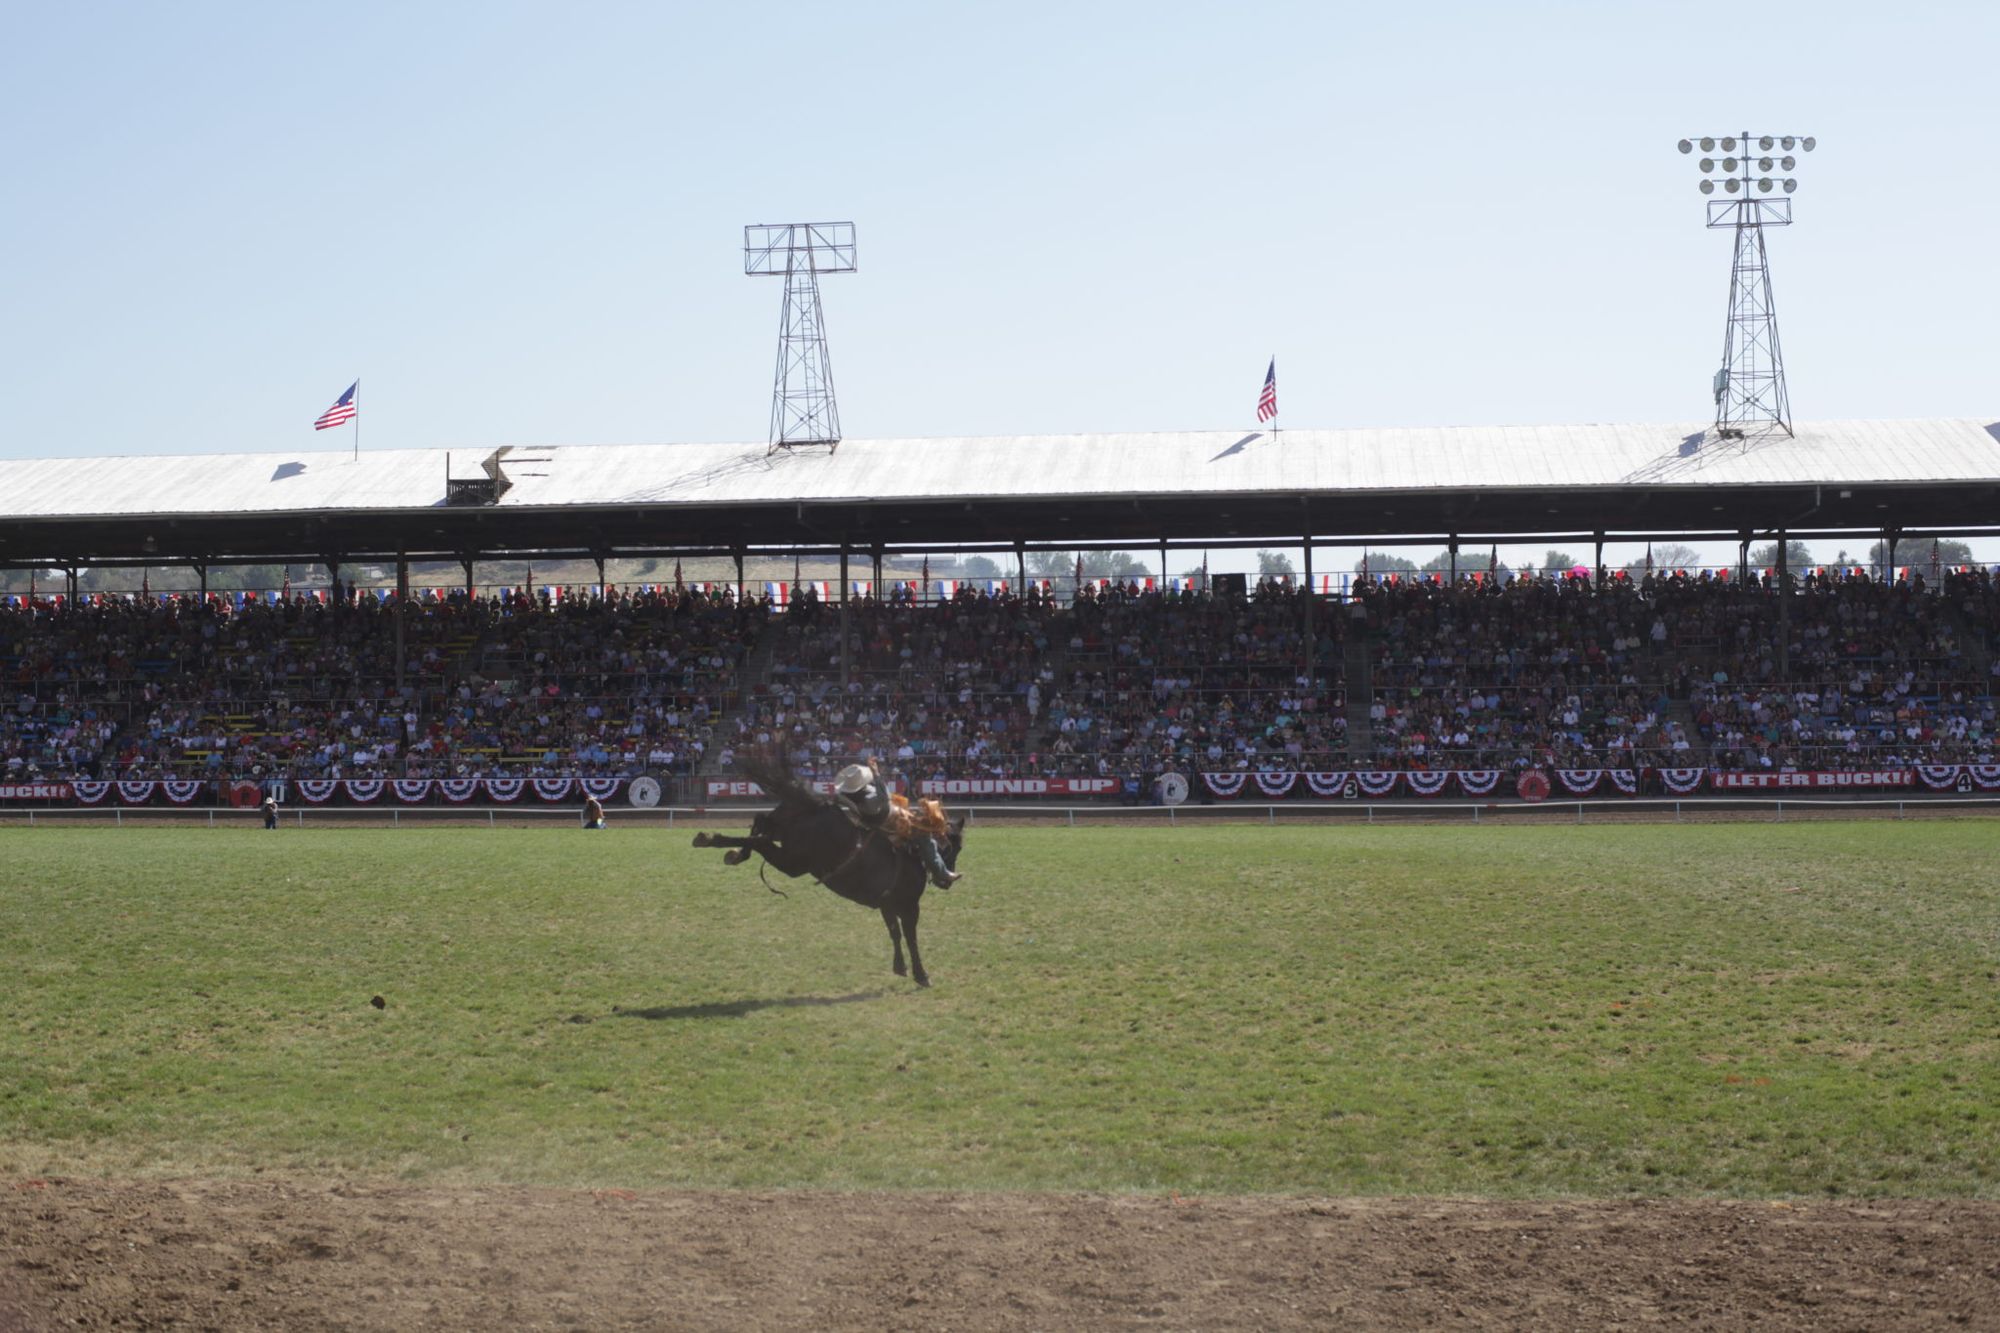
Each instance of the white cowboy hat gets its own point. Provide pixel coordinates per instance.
(854, 779)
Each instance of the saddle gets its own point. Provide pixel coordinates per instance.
(904, 822)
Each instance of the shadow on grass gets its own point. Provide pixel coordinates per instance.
(738, 1008)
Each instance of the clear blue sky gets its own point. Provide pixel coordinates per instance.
(522, 223)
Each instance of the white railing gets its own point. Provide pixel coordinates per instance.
(1626, 810)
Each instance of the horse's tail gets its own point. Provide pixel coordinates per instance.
(775, 776)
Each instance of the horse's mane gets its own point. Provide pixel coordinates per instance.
(775, 776)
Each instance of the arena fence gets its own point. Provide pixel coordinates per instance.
(1641, 810)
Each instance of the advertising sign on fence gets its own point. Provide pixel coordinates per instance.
(35, 791)
(1865, 777)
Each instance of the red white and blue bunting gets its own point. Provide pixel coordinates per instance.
(1225, 785)
(1377, 783)
(1478, 781)
(1326, 786)
(505, 789)
(1427, 782)
(1681, 781)
(1579, 781)
(416, 791)
(1276, 785)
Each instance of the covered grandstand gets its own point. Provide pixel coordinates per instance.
(1592, 685)
(1202, 487)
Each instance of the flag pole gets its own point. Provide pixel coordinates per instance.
(357, 418)
(1274, 400)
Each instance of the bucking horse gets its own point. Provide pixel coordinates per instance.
(808, 833)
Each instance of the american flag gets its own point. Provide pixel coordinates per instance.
(342, 411)
(1267, 401)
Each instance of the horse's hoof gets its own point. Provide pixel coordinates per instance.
(923, 979)
(737, 857)
(701, 839)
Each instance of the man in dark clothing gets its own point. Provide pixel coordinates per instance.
(858, 787)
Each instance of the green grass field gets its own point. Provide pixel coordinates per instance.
(1641, 1010)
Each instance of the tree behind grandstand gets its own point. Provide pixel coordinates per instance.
(1798, 556)
(1667, 557)
(1468, 562)
(1096, 565)
(1917, 551)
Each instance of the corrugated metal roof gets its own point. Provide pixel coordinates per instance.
(1014, 467)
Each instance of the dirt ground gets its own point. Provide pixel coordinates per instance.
(323, 1255)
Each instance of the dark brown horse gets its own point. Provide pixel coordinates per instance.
(811, 834)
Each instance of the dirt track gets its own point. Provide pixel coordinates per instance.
(228, 1255)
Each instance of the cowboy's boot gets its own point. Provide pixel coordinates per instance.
(942, 875)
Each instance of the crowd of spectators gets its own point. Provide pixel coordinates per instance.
(193, 687)
(1845, 672)
(951, 689)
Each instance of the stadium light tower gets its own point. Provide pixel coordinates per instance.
(802, 408)
(1755, 172)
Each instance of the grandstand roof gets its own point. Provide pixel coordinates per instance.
(1137, 488)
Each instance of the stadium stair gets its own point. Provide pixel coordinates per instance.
(1360, 644)
(1974, 643)
(1699, 754)
(753, 683)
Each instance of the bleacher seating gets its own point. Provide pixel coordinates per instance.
(1846, 672)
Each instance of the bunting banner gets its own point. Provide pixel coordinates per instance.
(1227, 785)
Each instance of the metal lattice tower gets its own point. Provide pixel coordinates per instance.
(803, 411)
(1749, 389)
